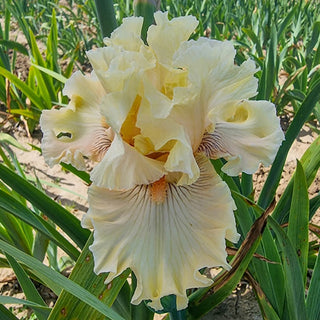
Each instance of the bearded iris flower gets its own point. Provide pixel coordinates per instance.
(151, 116)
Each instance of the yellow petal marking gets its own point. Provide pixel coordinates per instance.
(129, 129)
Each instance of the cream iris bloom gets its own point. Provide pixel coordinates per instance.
(151, 116)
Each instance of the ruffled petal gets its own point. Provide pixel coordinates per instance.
(167, 135)
(79, 130)
(215, 72)
(163, 232)
(166, 36)
(124, 167)
(245, 133)
(114, 66)
(127, 35)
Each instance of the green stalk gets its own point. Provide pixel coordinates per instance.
(178, 315)
(145, 9)
(106, 16)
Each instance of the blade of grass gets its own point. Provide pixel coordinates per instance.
(28, 288)
(146, 10)
(106, 16)
(57, 282)
(298, 231)
(51, 73)
(5, 314)
(13, 300)
(25, 89)
(310, 165)
(60, 216)
(312, 302)
(8, 203)
(14, 46)
(292, 274)
(266, 309)
(69, 307)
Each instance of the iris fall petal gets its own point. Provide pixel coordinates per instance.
(245, 133)
(165, 233)
(78, 130)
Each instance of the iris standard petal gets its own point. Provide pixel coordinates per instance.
(163, 232)
(245, 133)
(168, 135)
(127, 35)
(78, 130)
(165, 37)
(215, 73)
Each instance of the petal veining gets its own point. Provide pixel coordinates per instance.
(124, 167)
(167, 242)
(245, 133)
(78, 130)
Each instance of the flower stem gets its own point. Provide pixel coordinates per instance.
(178, 315)
(145, 9)
(106, 16)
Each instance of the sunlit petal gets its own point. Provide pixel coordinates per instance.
(163, 232)
(127, 35)
(78, 130)
(166, 36)
(245, 133)
(124, 167)
(215, 72)
(114, 66)
(169, 133)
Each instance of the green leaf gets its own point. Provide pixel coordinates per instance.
(69, 307)
(106, 16)
(269, 276)
(267, 310)
(298, 231)
(13, 300)
(310, 165)
(14, 207)
(314, 38)
(81, 174)
(26, 90)
(6, 138)
(31, 114)
(146, 10)
(14, 45)
(5, 314)
(250, 33)
(285, 23)
(51, 73)
(314, 205)
(60, 216)
(312, 302)
(57, 282)
(15, 230)
(271, 63)
(28, 288)
(45, 82)
(52, 45)
(292, 274)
